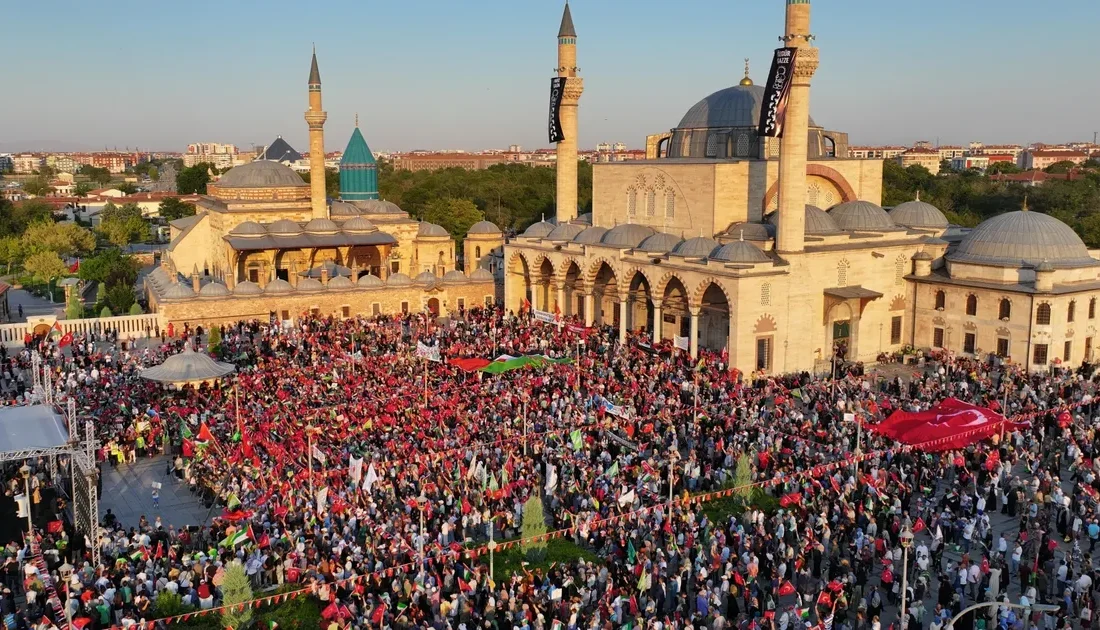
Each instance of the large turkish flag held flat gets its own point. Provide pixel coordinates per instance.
(950, 425)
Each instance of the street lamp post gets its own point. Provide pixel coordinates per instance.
(906, 542)
(25, 471)
(66, 572)
(421, 502)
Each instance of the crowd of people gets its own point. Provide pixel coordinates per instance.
(342, 464)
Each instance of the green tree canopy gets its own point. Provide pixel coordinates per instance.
(11, 251)
(173, 208)
(74, 308)
(109, 267)
(120, 298)
(39, 187)
(332, 181)
(63, 239)
(15, 217)
(127, 188)
(1063, 166)
(1002, 167)
(455, 215)
(96, 174)
(193, 179)
(236, 589)
(122, 225)
(82, 189)
(45, 265)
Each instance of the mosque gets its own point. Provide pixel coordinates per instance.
(263, 243)
(777, 252)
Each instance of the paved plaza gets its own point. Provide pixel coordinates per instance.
(128, 493)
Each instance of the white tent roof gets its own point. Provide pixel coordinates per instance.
(31, 427)
(188, 367)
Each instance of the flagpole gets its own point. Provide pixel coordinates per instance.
(237, 407)
(309, 453)
(525, 427)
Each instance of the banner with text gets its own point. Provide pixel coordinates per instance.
(776, 91)
(557, 90)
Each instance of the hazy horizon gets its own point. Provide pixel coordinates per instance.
(430, 74)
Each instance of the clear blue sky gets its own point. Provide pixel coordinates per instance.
(474, 73)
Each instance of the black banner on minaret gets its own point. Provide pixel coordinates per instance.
(557, 90)
(776, 90)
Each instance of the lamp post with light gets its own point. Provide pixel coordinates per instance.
(906, 537)
(66, 573)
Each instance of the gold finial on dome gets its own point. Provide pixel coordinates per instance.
(356, 120)
(918, 190)
(1024, 206)
(746, 81)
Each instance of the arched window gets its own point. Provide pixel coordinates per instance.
(1042, 314)
(670, 204)
(941, 300)
(971, 304)
(651, 203)
(1005, 311)
(1072, 311)
(712, 145)
(766, 294)
(477, 252)
(1092, 308)
(743, 145)
(631, 202)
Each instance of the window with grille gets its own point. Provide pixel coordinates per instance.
(1092, 308)
(1039, 357)
(969, 343)
(937, 337)
(971, 304)
(1071, 311)
(631, 202)
(1002, 347)
(1042, 314)
(842, 273)
(1067, 351)
(670, 204)
(712, 145)
(764, 353)
(1088, 349)
(941, 300)
(651, 203)
(743, 145)
(376, 309)
(895, 329)
(1005, 311)
(899, 271)
(766, 294)
(812, 193)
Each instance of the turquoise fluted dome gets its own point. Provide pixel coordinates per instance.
(358, 170)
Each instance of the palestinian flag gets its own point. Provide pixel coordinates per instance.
(204, 433)
(238, 537)
(233, 503)
(272, 625)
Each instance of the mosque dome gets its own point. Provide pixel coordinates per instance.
(453, 276)
(698, 247)
(213, 289)
(321, 226)
(284, 227)
(861, 216)
(260, 174)
(1023, 238)
(178, 291)
(918, 214)
(484, 227)
(306, 285)
(343, 209)
(752, 231)
(278, 285)
(584, 218)
(248, 229)
(397, 280)
(735, 106)
(388, 207)
(370, 280)
(431, 230)
(740, 252)
(339, 282)
(818, 222)
(247, 287)
(425, 277)
(564, 232)
(660, 243)
(627, 235)
(590, 236)
(358, 224)
(539, 230)
(481, 274)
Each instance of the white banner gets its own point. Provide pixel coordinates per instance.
(370, 478)
(424, 351)
(318, 455)
(682, 343)
(615, 410)
(322, 500)
(543, 316)
(355, 470)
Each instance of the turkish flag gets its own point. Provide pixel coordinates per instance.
(918, 525)
(786, 588)
(66, 340)
(950, 425)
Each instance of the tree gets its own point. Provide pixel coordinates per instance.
(135, 309)
(193, 179)
(64, 239)
(742, 477)
(1002, 167)
(236, 589)
(127, 188)
(332, 182)
(15, 217)
(82, 189)
(173, 208)
(122, 232)
(214, 341)
(109, 267)
(74, 308)
(39, 187)
(96, 174)
(534, 524)
(101, 294)
(11, 251)
(46, 265)
(1062, 166)
(106, 312)
(455, 215)
(120, 298)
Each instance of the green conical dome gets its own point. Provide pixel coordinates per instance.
(358, 170)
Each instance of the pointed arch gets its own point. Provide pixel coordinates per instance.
(701, 289)
(661, 285)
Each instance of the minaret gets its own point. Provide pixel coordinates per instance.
(567, 148)
(315, 118)
(796, 126)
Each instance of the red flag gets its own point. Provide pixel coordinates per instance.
(466, 508)
(378, 615)
(331, 611)
(57, 326)
(786, 588)
(737, 578)
(463, 585)
(204, 433)
(66, 340)
(160, 551)
(918, 525)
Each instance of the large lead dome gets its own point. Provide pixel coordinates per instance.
(1023, 238)
(735, 106)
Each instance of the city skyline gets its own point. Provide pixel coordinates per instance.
(476, 77)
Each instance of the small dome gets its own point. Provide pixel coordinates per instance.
(484, 227)
(260, 174)
(751, 231)
(918, 214)
(178, 291)
(584, 219)
(698, 247)
(740, 252)
(248, 228)
(431, 230)
(922, 255)
(660, 243)
(214, 289)
(343, 209)
(861, 216)
(284, 227)
(425, 277)
(339, 282)
(590, 236)
(247, 287)
(539, 230)
(369, 281)
(278, 285)
(453, 275)
(321, 226)
(1044, 267)
(564, 232)
(1023, 238)
(308, 284)
(358, 224)
(627, 235)
(818, 222)
(481, 274)
(396, 280)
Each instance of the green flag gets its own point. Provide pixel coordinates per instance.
(186, 432)
(233, 502)
(493, 485)
(236, 436)
(578, 440)
(612, 470)
(630, 552)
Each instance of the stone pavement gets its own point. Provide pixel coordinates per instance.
(31, 305)
(128, 493)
